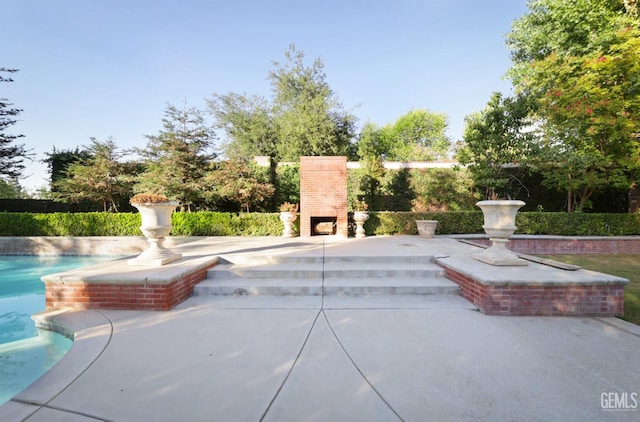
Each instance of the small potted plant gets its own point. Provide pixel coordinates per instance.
(360, 215)
(288, 214)
(155, 211)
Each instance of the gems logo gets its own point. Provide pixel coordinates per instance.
(622, 402)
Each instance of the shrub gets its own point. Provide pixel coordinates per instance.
(389, 223)
(206, 223)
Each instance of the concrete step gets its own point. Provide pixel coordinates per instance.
(389, 287)
(254, 260)
(355, 276)
(383, 270)
(311, 271)
(330, 287)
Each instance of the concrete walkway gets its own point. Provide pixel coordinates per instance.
(311, 358)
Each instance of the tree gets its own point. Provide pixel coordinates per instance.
(248, 124)
(373, 142)
(303, 117)
(100, 177)
(590, 106)
(578, 60)
(240, 182)
(58, 162)
(308, 116)
(12, 155)
(365, 183)
(496, 138)
(566, 28)
(418, 135)
(11, 189)
(177, 159)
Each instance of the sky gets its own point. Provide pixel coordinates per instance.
(98, 68)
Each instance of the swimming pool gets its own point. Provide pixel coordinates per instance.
(25, 351)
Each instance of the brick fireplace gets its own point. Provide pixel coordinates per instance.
(323, 196)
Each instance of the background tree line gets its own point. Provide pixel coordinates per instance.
(571, 130)
(188, 162)
(575, 115)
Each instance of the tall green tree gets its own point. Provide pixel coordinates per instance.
(12, 155)
(419, 135)
(11, 189)
(564, 27)
(100, 177)
(58, 162)
(373, 142)
(495, 139)
(240, 182)
(247, 122)
(578, 60)
(308, 115)
(177, 159)
(303, 117)
(591, 129)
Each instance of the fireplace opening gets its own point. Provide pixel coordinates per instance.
(323, 226)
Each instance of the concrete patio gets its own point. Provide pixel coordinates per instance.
(338, 358)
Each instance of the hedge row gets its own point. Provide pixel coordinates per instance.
(547, 223)
(268, 224)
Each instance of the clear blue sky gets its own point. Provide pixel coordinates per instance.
(92, 68)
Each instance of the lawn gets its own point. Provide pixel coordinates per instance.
(621, 265)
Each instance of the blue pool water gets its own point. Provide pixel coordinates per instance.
(25, 351)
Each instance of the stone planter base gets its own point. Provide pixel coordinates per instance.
(155, 256)
(499, 255)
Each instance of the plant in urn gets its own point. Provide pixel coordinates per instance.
(155, 211)
(288, 216)
(360, 215)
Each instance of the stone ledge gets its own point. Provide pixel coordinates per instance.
(114, 285)
(536, 290)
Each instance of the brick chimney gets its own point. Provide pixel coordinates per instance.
(323, 194)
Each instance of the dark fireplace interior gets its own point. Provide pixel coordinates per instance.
(321, 226)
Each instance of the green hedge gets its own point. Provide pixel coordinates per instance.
(69, 224)
(268, 224)
(548, 223)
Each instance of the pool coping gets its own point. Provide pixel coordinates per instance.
(91, 332)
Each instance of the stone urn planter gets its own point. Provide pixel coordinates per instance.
(155, 211)
(360, 217)
(499, 224)
(427, 228)
(288, 215)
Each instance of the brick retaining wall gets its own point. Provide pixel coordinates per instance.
(150, 297)
(541, 300)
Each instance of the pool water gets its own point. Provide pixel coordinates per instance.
(25, 351)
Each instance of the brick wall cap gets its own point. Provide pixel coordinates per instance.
(119, 272)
